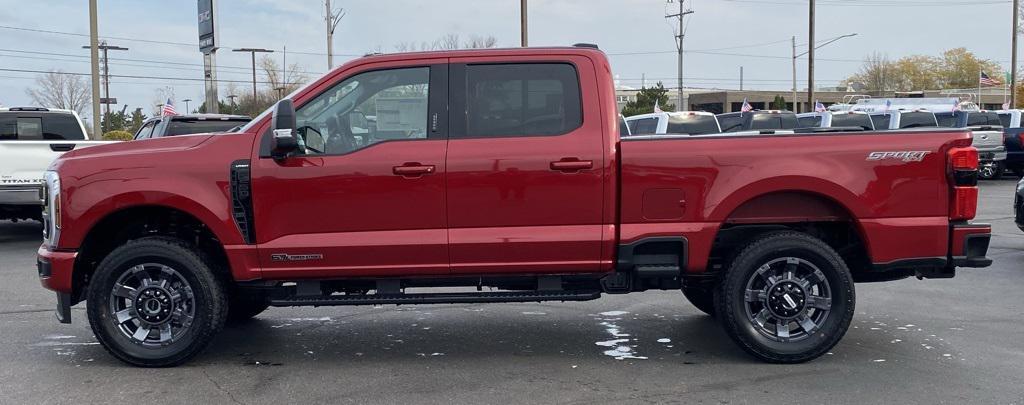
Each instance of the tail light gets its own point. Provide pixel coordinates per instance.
(1020, 138)
(963, 166)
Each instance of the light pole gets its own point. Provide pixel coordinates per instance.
(1013, 54)
(252, 51)
(186, 104)
(522, 24)
(232, 97)
(810, 55)
(796, 108)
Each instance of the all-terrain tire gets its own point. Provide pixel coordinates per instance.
(190, 278)
(807, 255)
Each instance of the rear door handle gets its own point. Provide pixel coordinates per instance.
(62, 147)
(572, 165)
(412, 169)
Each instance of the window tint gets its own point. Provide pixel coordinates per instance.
(185, 127)
(730, 123)
(809, 122)
(692, 124)
(146, 131)
(984, 118)
(1004, 120)
(947, 120)
(8, 126)
(624, 129)
(522, 99)
(917, 120)
(881, 121)
(773, 121)
(61, 127)
(852, 120)
(643, 126)
(366, 109)
(14, 126)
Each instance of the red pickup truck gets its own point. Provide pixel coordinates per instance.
(500, 172)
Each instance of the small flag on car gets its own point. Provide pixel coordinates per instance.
(988, 81)
(168, 108)
(819, 107)
(657, 108)
(746, 106)
(1006, 105)
(888, 103)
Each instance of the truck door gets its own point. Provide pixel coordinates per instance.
(525, 167)
(367, 196)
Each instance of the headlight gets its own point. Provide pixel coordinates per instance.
(51, 208)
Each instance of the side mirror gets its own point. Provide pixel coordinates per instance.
(283, 126)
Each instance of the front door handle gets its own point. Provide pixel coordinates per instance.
(62, 147)
(572, 165)
(413, 169)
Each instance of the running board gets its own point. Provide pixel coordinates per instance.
(434, 298)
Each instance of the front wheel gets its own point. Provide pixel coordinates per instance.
(786, 298)
(155, 302)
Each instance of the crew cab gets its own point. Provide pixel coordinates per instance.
(1012, 131)
(30, 139)
(681, 122)
(757, 120)
(988, 138)
(836, 119)
(187, 124)
(500, 175)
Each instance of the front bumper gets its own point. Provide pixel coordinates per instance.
(55, 270)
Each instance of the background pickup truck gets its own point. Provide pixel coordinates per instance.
(30, 139)
(499, 175)
(987, 131)
(187, 124)
(1012, 131)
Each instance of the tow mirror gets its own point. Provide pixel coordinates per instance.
(283, 125)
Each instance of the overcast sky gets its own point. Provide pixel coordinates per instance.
(754, 33)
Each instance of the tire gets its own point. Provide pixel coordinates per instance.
(796, 281)
(702, 298)
(991, 171)
(183, 303)
(244, 305)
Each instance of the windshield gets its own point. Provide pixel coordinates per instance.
(853, 120)
(692, 124)
(917, 120)
(186, 127)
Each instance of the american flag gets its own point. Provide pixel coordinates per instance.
(657, 108)
(988, 81)
(746, 106)
(169, 108)
(819, 107)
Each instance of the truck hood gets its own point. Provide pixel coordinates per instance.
(171, 143)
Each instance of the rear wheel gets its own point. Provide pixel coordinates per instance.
(787, 298)
(702, 298)
(155, 302)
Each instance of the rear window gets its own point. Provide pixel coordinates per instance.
(730, 123)
(881, 121)
(917, 120)
(853, 120)
(534, 99)
(773, 121)
(946, 120)
(809, 122)
(984, 118)
(1004, 120)
(33, 126)
(186, 127)
(692, 124)
(643, 126)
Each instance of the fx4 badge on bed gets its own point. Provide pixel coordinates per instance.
(904, 155)
(284, 257)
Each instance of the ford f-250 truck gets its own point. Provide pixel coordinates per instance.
(500, 171)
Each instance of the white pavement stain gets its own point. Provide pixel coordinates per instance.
(620, 348)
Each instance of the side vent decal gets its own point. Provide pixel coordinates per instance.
(241, 200)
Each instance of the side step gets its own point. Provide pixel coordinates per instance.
(434, 298)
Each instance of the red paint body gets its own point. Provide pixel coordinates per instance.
(508, 205)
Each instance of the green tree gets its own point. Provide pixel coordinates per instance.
(779, 103)
(136, 120)
(645, 99)
(116, 121)
(118, 136)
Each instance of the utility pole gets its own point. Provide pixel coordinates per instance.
(106, 100)
(232, 97)
(796, 106)
(810, 56)
(1013, 54)
(253, 51)
(332, 17)
(522, 24)
(741, 78)
(186, 105)
(94, 58)
(682, 105)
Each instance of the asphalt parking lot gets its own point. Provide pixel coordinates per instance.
(933, 341)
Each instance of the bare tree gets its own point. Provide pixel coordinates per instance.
(276, 77)
(448, 42)
(481, 42)
(878, 74)
(57, 89)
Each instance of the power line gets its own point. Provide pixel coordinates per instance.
(870, 3)
(127, 76)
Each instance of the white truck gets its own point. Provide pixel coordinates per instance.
(30, 139)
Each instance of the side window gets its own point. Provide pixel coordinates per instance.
(62, 127)
(645, 126)
(946, 120)
(730, 123)
(881, 121)
(146, 131)
(1004, 120)
(535, 99)
(365, 109)
(809, 122)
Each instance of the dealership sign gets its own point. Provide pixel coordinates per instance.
(207, 25)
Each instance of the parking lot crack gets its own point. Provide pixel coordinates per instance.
(222, 389)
